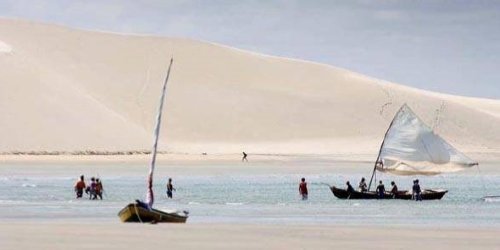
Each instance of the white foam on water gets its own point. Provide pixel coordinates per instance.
(234, 203)
(29, 185)
(492, 199)
(5, 48)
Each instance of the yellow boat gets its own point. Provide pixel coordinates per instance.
(134, 212)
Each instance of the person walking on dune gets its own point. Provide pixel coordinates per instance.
(80, 187)
(244, 157)
(303, 189)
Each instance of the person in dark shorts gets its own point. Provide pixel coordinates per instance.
(303, 189)
(394, 189)
(170, 188)
(98, 188)
(380, 190)
(417, 192)
(79, 187)
(244, 157)
(91, 190)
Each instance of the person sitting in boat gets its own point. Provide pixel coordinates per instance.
(170, 188)
(394, 189)
(417, 192)
(380, 190)
(98, 188)
(303, 188)
(350, 189)
(362, 185)
(79, 187)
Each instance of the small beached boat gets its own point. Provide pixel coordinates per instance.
(143, 211)
(410, 147)
(134, 212)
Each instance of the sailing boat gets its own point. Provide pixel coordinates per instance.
(143, 211)
(410, 147)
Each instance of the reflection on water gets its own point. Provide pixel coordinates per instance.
(258, 198)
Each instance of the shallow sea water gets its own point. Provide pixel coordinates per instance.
(254, 198)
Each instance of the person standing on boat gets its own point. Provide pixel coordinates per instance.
(380, 190)
(170, 188)
(417, 192)
(244, 157)
(303, 188)
(362, 185)
(79, 187)
(394, 189)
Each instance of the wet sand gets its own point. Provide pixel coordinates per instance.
(116, 235)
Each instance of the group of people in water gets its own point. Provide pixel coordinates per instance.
(94, 190)
(381, 191)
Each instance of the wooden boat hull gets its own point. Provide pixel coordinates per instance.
(135, 213)
(427, 194)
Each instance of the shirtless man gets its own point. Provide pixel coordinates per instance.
(79, 187)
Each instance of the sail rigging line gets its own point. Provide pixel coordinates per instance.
(150, 195)
(482, 181)
(382, 146)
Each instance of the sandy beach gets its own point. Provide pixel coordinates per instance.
(114, 235)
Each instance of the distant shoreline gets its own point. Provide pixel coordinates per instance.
(82, 152)
(103, 156)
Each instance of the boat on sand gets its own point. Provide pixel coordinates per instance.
(143, 211)
(134, 212)
(410, 147)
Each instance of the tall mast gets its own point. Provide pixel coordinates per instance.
(150, 196)
(381, 146)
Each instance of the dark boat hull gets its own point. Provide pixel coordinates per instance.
(135, 213)
(427, 194)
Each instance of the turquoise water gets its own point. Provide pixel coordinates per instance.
(254, 198)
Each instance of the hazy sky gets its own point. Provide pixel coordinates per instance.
(445, 46)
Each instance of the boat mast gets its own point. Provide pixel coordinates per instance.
(150, 196)
(381, 146)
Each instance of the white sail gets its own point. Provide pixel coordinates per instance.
(149, 194)
(411, 147)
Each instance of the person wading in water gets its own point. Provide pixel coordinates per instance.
(380, 190)
(303, 189)
(79, 187)
(170, 188)
(244, 157)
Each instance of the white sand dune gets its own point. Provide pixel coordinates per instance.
(65, 89)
